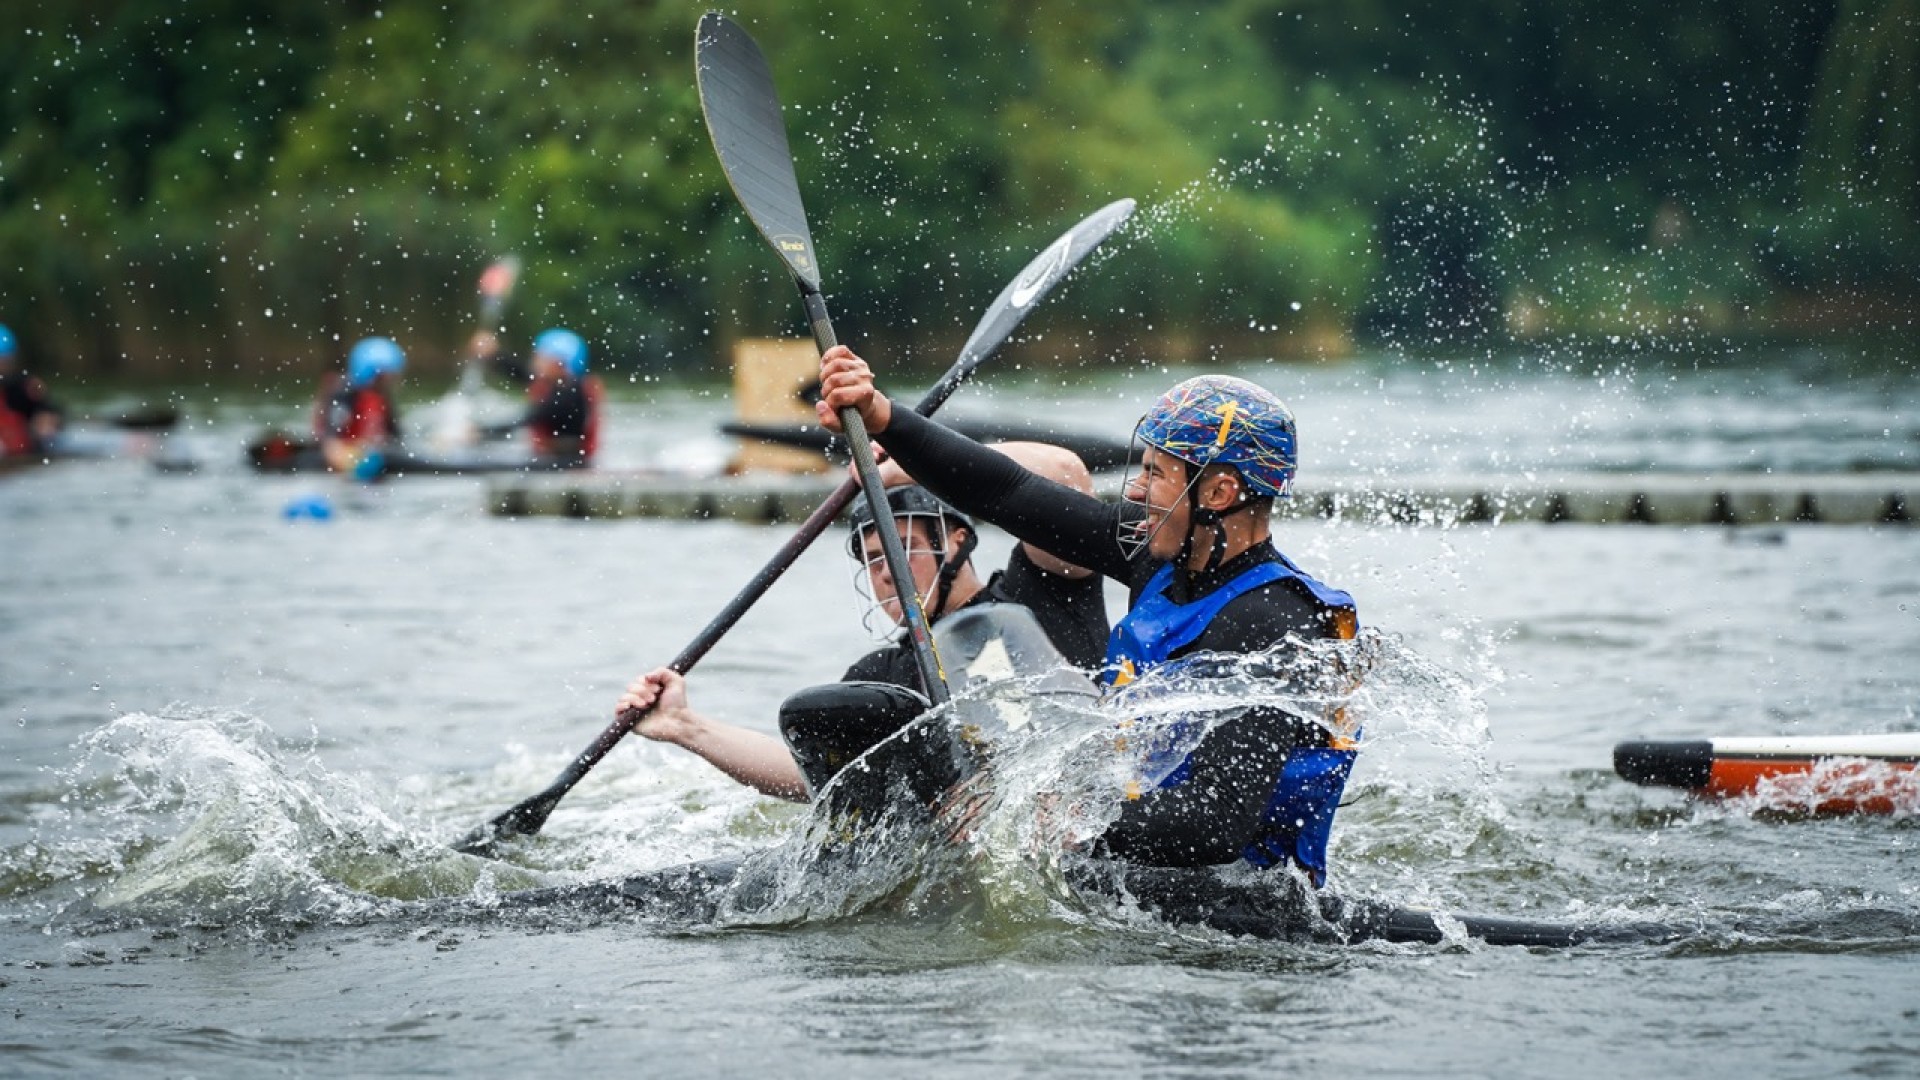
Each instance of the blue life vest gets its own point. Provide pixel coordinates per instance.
(1299, 812)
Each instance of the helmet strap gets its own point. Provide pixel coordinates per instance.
(949, 568)
(1199, 517)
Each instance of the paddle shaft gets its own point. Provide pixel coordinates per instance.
(496, 284)
(528, 816)
(741, 106)
(919, 635)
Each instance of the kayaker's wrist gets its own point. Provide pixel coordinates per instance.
(675, 727)
(687, 729)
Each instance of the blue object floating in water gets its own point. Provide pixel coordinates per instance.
(317, 507)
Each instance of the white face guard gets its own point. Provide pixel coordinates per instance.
(879, 616)
(1135, 533)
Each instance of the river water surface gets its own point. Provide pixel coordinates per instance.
(237, 743)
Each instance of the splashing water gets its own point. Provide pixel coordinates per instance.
(1838, 785)
(207, 816)
(1055, 768)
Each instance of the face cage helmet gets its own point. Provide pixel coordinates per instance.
(909, 503)
(1215, 420)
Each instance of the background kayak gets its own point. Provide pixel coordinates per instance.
(279, 452)
(1832, 774)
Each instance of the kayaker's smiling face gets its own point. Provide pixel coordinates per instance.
(1161, 487)
(923, 557)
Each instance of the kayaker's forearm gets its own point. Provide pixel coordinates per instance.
(979, 480)
(759, 761)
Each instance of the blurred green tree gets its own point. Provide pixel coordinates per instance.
(239, 188)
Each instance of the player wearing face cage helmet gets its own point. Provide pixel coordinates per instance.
(1067, 601)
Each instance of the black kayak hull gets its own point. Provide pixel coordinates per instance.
(1284, 909)
(696, 893)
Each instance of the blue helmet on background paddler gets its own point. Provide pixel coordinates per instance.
(373, 357)
(563, 348)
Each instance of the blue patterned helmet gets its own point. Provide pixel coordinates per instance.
(373, 357)
(1221, 420)
(569, 348)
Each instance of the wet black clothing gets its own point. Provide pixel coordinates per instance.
(561, 420)
(25, 395)
(1072, 611)
(562, 411)
(1213, 818)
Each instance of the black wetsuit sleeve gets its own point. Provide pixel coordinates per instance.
(984, 482)
(562, 411)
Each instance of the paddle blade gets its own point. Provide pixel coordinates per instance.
(742, 110)
(1024, 292)
(498, 278)
(496, 283)
(523, 820)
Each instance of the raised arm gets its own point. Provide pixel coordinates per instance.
(1071, 525)
(1055, 463)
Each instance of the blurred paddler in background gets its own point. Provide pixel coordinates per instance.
(355, 418)
(562, 417)
(29, 418)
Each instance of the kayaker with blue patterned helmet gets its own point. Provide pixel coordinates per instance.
(1204, 582)
(562, 419)
(356, 420)
(29, 419)
(883, 687)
